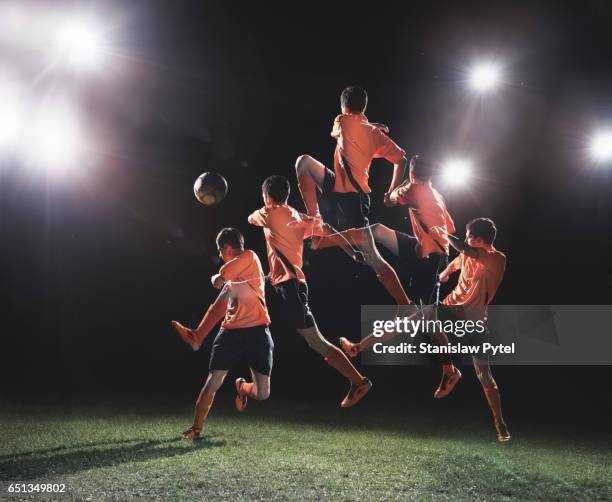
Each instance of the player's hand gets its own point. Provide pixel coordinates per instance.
(388, 201)
(443, 277)
(217, 281)
(381, 127)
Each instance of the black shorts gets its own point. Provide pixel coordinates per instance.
(351, 208)
(294, 295)
(253, 346)
(458, 313)
(421, 273)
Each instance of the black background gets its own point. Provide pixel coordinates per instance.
(97, 260)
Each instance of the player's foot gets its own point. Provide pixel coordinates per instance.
(356, 393)
(447, 384)
(503, 434)
(191, 434)
(241, 398)
(351, 349)
(186, 334)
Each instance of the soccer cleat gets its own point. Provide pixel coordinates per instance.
(186, 334)
(191, 434)
(351, 349)
(503, 434)
(241, 399)
(356, 393)
(447, 384)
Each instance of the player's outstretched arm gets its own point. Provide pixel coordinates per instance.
(213, 316)
(462, 247)
(399, 173)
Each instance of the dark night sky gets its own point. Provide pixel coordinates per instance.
(95, 263)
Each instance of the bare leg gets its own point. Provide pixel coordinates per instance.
(310, 175)
(483, 372)
(204, 402)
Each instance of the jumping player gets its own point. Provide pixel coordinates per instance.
(425, 254)
(285, 230)
(482, 269)
(358, 142)
(244, 333)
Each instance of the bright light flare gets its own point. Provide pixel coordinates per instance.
(456, 172)
(12, 115)
(80, 44)
(485, 77)
(601, 146)
(56, 140)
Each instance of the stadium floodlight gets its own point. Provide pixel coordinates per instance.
(55, 141)
(11, 115)
(80, 43)
(601, 146)
(456, 172)
(485, 76)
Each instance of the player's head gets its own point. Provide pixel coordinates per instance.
(275, 190)
(421, 168)
(354, 99)
(230, 243)
(480, 232)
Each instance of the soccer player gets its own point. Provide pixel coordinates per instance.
(244, 333)
(425, 254)
(482, 269)
(358, 142)
(285, 230)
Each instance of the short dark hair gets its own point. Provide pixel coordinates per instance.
(277, 188)
(354, 99)
(230, 236)
(421, 166)
(483, 228)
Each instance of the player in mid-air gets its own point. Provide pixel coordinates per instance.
(425, 253)
(358, 142)
(285, 230)
(482, 269)
(244, 335)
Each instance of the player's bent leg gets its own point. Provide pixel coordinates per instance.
(384, 272)
(204, 403)
(310, 177)
(450, 374)
(386, 237)
(333, 356)
(483, 372)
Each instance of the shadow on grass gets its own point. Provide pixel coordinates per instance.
(76, 458)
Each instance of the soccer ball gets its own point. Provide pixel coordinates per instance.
(210, 188)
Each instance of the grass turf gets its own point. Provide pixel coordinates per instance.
(284, 451)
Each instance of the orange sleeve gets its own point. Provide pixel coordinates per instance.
(258, 218)
(232, 269)
(387, 148)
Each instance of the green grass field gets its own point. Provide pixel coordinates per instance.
(283, 451)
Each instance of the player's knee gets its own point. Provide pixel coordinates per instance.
(302, 163)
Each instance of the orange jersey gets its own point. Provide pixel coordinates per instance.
(480, 277)
(358, 142)
(245, 281)
(429, 216)
(285, 233)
